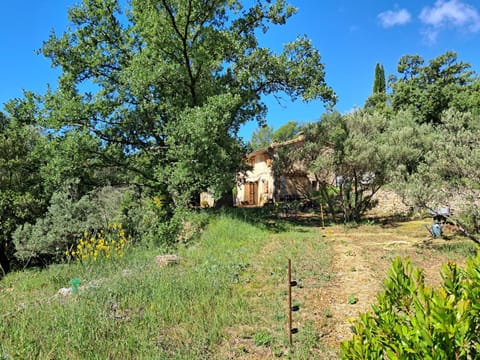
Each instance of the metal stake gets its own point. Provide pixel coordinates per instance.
(323, 218)
(290, 302)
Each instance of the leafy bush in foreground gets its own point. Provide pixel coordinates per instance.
(414, 321)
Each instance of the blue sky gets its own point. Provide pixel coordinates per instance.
(351, 35)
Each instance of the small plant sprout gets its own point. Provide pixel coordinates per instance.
(352, 299)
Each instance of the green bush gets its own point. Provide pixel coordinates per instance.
(147, 220)
(66, 221)
(415, 321)
(469, 217)
(154, 222)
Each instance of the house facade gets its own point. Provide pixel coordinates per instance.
(261, 184)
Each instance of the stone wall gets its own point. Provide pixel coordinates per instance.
(388, 203)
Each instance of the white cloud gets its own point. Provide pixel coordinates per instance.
(449, 14)
(394, 17)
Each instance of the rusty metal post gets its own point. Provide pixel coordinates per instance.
(290, 302)
(291, 309)
(323, 218)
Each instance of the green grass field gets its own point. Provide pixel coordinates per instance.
(226, 298)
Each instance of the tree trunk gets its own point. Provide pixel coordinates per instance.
(330, 203)
(4, 263)
(461, 228)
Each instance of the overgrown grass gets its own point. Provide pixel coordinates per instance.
(226, 295)
(226, 298)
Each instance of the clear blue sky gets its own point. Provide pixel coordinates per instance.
(351, 35)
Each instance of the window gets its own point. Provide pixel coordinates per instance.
(268, 160)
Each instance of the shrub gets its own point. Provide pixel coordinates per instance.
(469, 217)
(156, 222)
(66, 221)
(109, 244)
(414, 321)
(150, 219)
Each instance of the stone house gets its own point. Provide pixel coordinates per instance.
(262, 184)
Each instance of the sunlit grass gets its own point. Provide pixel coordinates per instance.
(225, 298)
(134, 309)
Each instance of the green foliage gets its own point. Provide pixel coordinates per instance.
(361, 165)
(22, 196)
(174, 81)
(286, 132)
(430, 89)
(154, 223)
(353, 153)
(78, 154)
(35, 163)
(379, 85)
(201, 155)
(261, 138)
(65, 222)
(414, 321)
(444, 162)
(148, 219)
(264, 136)
(469, 216)
(378, 99)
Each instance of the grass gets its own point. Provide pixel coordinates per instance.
(226, 296)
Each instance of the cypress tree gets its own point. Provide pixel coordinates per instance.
(379, 84)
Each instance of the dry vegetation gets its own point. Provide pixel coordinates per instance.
(336, 286)
(360, 259)
(227, 296)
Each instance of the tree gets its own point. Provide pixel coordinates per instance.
(22, 197)
(146, 78)
(346, 154)
(379, 85)
(317, 156)
(430, 89)
(448, 169)
(378, 98)
(286, 132)
(361, 164)
(261, 138)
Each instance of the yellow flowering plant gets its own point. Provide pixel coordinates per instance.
(99, 245)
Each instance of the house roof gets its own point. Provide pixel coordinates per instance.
(275, 145)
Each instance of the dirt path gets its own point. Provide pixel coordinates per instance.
(360, 260)
(331, 294)
(353, 288)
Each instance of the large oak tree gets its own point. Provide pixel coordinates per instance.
(172, 81)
